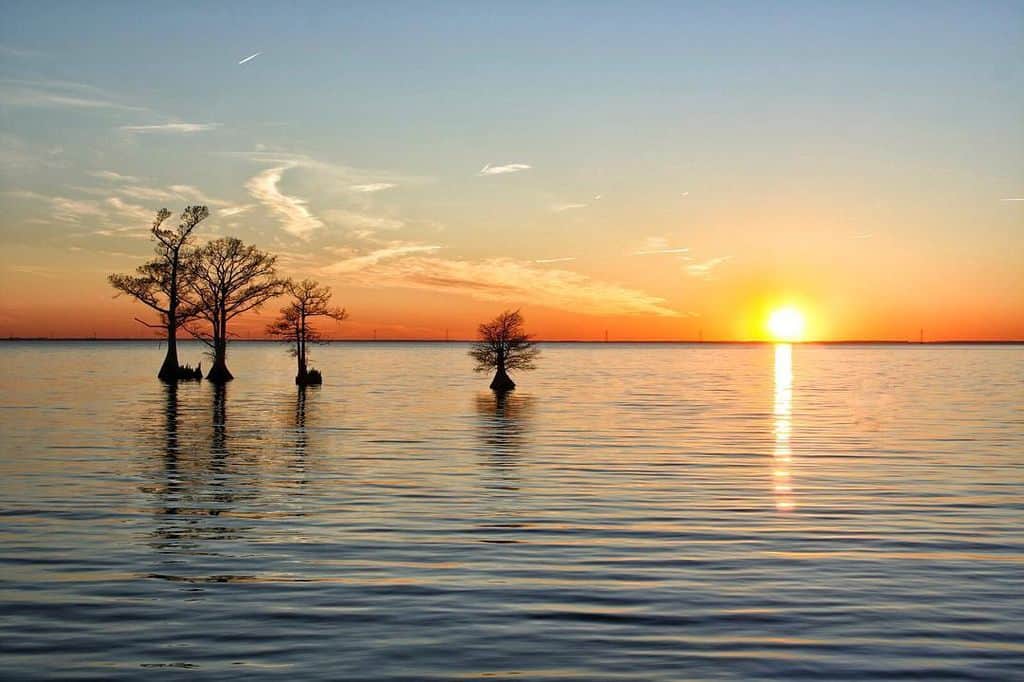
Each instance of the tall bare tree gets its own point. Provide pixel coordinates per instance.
(309, 299)
(228, 278)
(160, 282)
(504, 345)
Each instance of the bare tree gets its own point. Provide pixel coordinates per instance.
(309, 299)
(228, 278)
(504, 345)
(159, 283)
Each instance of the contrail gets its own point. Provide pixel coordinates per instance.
(250, 57)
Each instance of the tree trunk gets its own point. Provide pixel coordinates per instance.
(300, 355)
(169, 370)
(501, 381)
(219, 373)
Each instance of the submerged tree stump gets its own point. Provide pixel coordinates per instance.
(309, 378)
(188, 373)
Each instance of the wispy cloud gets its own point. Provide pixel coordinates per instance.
(353, 192)
(250, 58)
(373, 187)
(60, 95)
(863, 235)
(108, 217)
(704, 270)
(235, 210)
(657, 246)
(357, 263)
(558, 208)
(362, 222)
(173, 193)
(17, 154)
(653, 252)
(1014, 199)
(501, 279)
(173, 128)
(18, 52)
(508, 168)
(564, 259)
(113, 176)
(56, 100)
(296, 218)
(134, 211)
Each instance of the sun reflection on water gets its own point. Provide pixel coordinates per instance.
(783, 426)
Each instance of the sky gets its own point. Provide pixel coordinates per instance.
(653, 170)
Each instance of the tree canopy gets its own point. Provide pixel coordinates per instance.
(504, 344)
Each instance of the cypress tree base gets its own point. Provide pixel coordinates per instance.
(169, 370)
(219, 373)
(502, 382)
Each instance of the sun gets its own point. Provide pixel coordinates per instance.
(786, 324)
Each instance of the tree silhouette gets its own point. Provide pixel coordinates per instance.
(160, 283)
(228, 278)
(504, 345)
(309, 299)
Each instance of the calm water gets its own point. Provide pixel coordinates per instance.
(631, 513)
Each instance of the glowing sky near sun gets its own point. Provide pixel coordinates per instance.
(656, 170)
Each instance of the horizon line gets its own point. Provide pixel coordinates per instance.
(819, 342)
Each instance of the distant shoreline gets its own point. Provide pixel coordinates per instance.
(850, 342)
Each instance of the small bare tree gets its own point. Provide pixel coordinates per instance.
(309, 299)
(228, 278)
(504, 345)
(160, 283)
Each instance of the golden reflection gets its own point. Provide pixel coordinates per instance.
(781, 478)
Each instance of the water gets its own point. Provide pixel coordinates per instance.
(632, 512)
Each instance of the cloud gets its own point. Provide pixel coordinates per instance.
(558, 208)
(500, 170)
(109, 217)
(353, 191)
(250, 58)
(358, 221)
(295, 216)
(657, 246)
(17, 154)
(500, 279)
(357, 263)
(174, 193)
(1013, 199)
(235, 210)
(195, 194)
(113, 177)
(175, 128)
(653, 252)
(140, 213)
(18, 52)
(60, 95)
(704, 270)
(373, 187)
(564, 259)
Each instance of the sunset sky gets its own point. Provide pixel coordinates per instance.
(657, 170)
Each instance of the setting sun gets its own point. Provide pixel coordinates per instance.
(786, 324)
